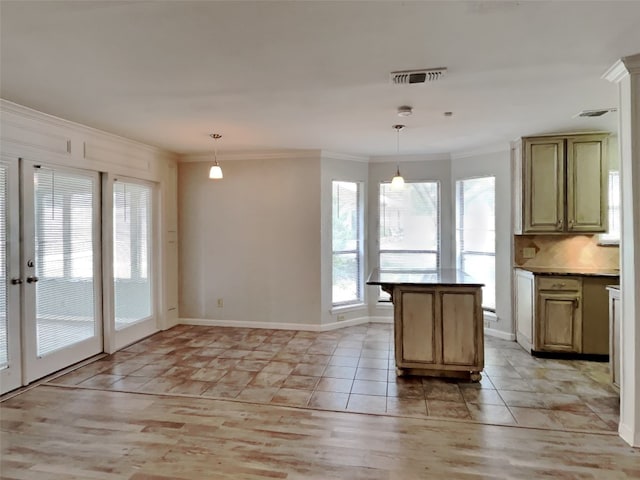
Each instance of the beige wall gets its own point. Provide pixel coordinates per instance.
(252, 240)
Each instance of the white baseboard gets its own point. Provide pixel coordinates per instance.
(275, 325)
(380, 319)
(626, 433)
(500, 334)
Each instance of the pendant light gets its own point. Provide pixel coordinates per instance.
(215, 171)
(397, 182)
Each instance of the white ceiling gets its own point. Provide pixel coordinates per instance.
(313, 74)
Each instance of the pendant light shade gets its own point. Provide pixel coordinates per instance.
(397, 182)
(215, 172)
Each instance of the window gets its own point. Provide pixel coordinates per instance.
(410, 226)
(476, 233)
(347, 243)
(612, 237)
(131, 249)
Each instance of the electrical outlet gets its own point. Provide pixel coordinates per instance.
(528, 252)
(220, 303)
(340, 318)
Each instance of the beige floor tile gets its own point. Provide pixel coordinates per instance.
(482, 396)
(329, 400)
(290, 396)
(407, 406)
(301, 382)
(367, 403)
(534, 417)
(440, 408)
(368, 387)
(487, 413)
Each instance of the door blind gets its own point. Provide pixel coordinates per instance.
(3, 268)
(131, 252)
(65, 216)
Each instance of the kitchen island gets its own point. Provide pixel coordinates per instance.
(438, 322)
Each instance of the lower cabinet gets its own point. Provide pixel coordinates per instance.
(563, 314)
(439, 331)
(558, 315)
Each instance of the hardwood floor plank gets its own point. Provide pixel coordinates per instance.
(54, 432)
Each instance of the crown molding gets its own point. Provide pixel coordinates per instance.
(27, 113)
(623, 67)
(427, 157)
(234, 155)
(343, 156)
(503, 147)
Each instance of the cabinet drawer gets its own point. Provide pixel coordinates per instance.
(559, 283)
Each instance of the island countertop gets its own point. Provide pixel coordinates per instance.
(442, 277)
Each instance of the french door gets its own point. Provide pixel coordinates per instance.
(52, 311)
(10, 281)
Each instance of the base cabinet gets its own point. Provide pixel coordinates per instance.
(563, 314)
(439, 331)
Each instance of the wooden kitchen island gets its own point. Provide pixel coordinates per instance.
(438, 322)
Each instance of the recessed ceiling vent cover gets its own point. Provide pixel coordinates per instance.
(406, 77)
(594, 113)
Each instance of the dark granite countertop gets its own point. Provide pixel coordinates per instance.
(585, 272)
(442, 276)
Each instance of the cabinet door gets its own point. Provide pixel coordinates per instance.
(559, 322)
(544, 185)
(587, 184)
(415, 339)
(524, 309)
(461, 322)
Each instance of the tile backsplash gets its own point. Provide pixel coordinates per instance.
(566, 251)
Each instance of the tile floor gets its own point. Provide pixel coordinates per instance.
(352, 369)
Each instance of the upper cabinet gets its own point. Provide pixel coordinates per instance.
(560, 184)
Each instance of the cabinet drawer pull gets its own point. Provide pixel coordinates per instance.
(558, 285)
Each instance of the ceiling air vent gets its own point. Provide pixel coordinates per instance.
(406, 77)
(594, 113)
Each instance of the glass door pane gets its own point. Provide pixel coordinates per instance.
(10, 354)
(131, 266)
(62, 294)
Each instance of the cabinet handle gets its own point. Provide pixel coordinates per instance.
(570, 223)
(558, 285)
(577, 302)
(560, 224)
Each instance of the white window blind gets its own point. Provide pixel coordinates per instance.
(3, 268)
(131, 250)
(410, 226)
(476, 233)
(65, 215)
(613, 231)
(347, 243)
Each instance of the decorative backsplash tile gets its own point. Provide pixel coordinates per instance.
(566, 251)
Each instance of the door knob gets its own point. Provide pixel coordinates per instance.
(32, 279)
(16, 281)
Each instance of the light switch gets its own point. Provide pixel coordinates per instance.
(528, 252)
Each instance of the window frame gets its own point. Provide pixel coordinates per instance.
(459, 254)
(383, 297)
(358, 251)
(606, 239)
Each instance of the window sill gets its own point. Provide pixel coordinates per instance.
(608, 243)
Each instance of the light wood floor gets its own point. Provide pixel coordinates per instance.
(53, 432)
(221, 403)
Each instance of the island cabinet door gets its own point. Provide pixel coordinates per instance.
(416, 327)
(461, 327)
